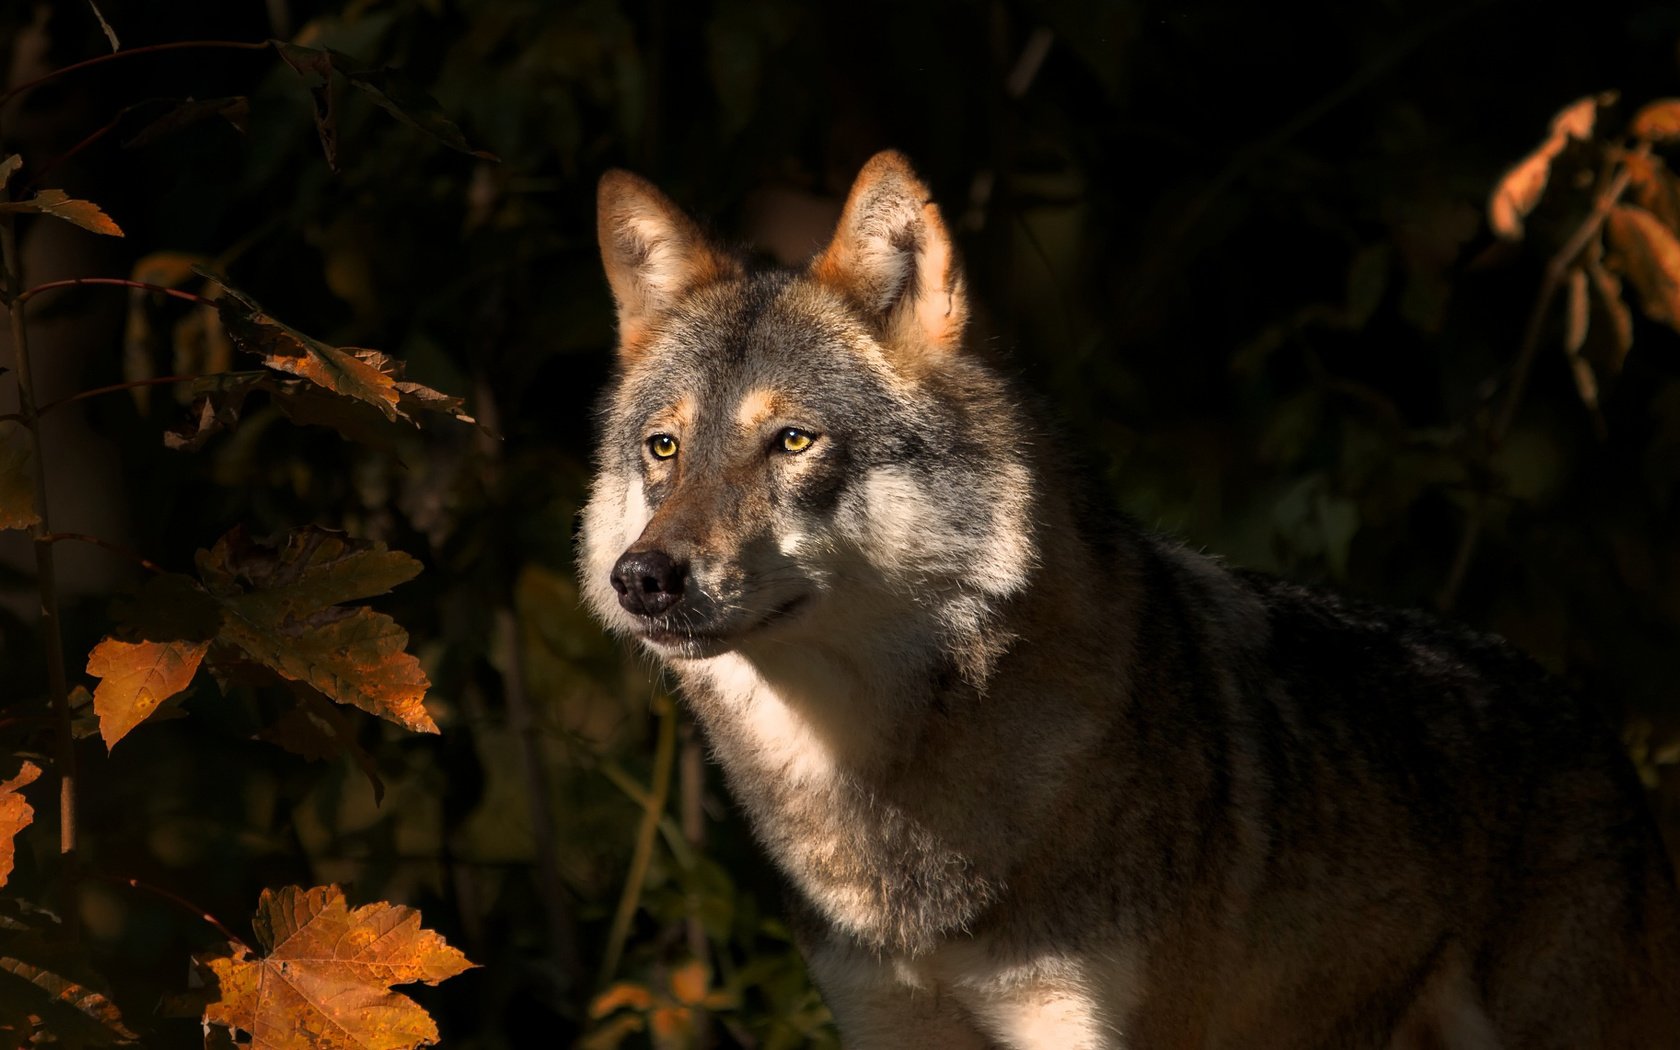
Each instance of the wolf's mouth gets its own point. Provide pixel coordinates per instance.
(705, 640)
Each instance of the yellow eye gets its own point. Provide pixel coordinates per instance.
(793, 439)
(663, 446)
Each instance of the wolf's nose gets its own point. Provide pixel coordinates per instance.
(649, 582)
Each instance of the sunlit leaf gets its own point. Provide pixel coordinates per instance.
(689, 982)
(17, 478)
(1657, 121)
(324, 977)
(167, 629)
(1645, 252)
(138, 676)
(9, 167)
(1520, 189)
(61, 205)
(281, 610)
(620, 996)
(15, 815)
(286, 349)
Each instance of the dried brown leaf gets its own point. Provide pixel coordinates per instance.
(15, 815)
(1645, 252)
(9, 167)
(17, 478)
(324, 980)
(61, 205)
(1657, 121)
(285, 349)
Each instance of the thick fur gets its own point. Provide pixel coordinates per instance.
(1046, 783)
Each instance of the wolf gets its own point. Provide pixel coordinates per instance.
(1037, 777)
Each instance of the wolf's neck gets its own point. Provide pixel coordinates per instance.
(806, 712)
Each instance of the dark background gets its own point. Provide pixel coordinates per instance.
(1240, 248)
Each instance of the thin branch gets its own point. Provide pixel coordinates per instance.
(178, 45)
(116, 282)
(1557, 269)
(663, 760)
(132, 384)
(36, 177)
(115, 548)
(46, 580)
(177, 900)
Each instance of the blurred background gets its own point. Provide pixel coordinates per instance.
(1240, 250)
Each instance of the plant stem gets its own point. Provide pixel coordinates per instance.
(114, 548)
(46, 575)
(178, 901)
(1557, 269)
(119, 282)
(663, 760)
(242, 45)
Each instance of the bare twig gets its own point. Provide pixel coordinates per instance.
(118, 282)
(132, 384)
(177, 900)
(1557, 269)
(151, 49)
(114, 548)
(46, 576)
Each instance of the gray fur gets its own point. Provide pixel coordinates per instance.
(1042, 779)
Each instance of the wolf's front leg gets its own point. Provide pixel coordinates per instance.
(879, 1008)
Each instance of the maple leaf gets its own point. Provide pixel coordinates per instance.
(282, 611)
(324, 979)
(269, 607)
(15, 815)
(17, 483)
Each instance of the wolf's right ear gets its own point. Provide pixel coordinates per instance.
(653, 253)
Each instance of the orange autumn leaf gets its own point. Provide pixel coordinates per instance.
(61, 205)
(136, 678)
(324, 979)
(281, 610)
(285, 349)
(15, 815)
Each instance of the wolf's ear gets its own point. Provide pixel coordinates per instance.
(653, 253)
(893, 257)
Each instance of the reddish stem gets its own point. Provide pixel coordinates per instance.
(178, 901)
(35, 179)
(114, 548)
(242, 45)
(132, 384)
(119, 282)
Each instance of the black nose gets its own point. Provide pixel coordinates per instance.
(649, 582)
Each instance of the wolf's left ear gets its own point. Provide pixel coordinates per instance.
(653, 253)
(893, 257)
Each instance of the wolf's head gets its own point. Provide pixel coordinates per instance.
(794, 455)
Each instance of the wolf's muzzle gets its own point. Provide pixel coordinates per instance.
(649, 582)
